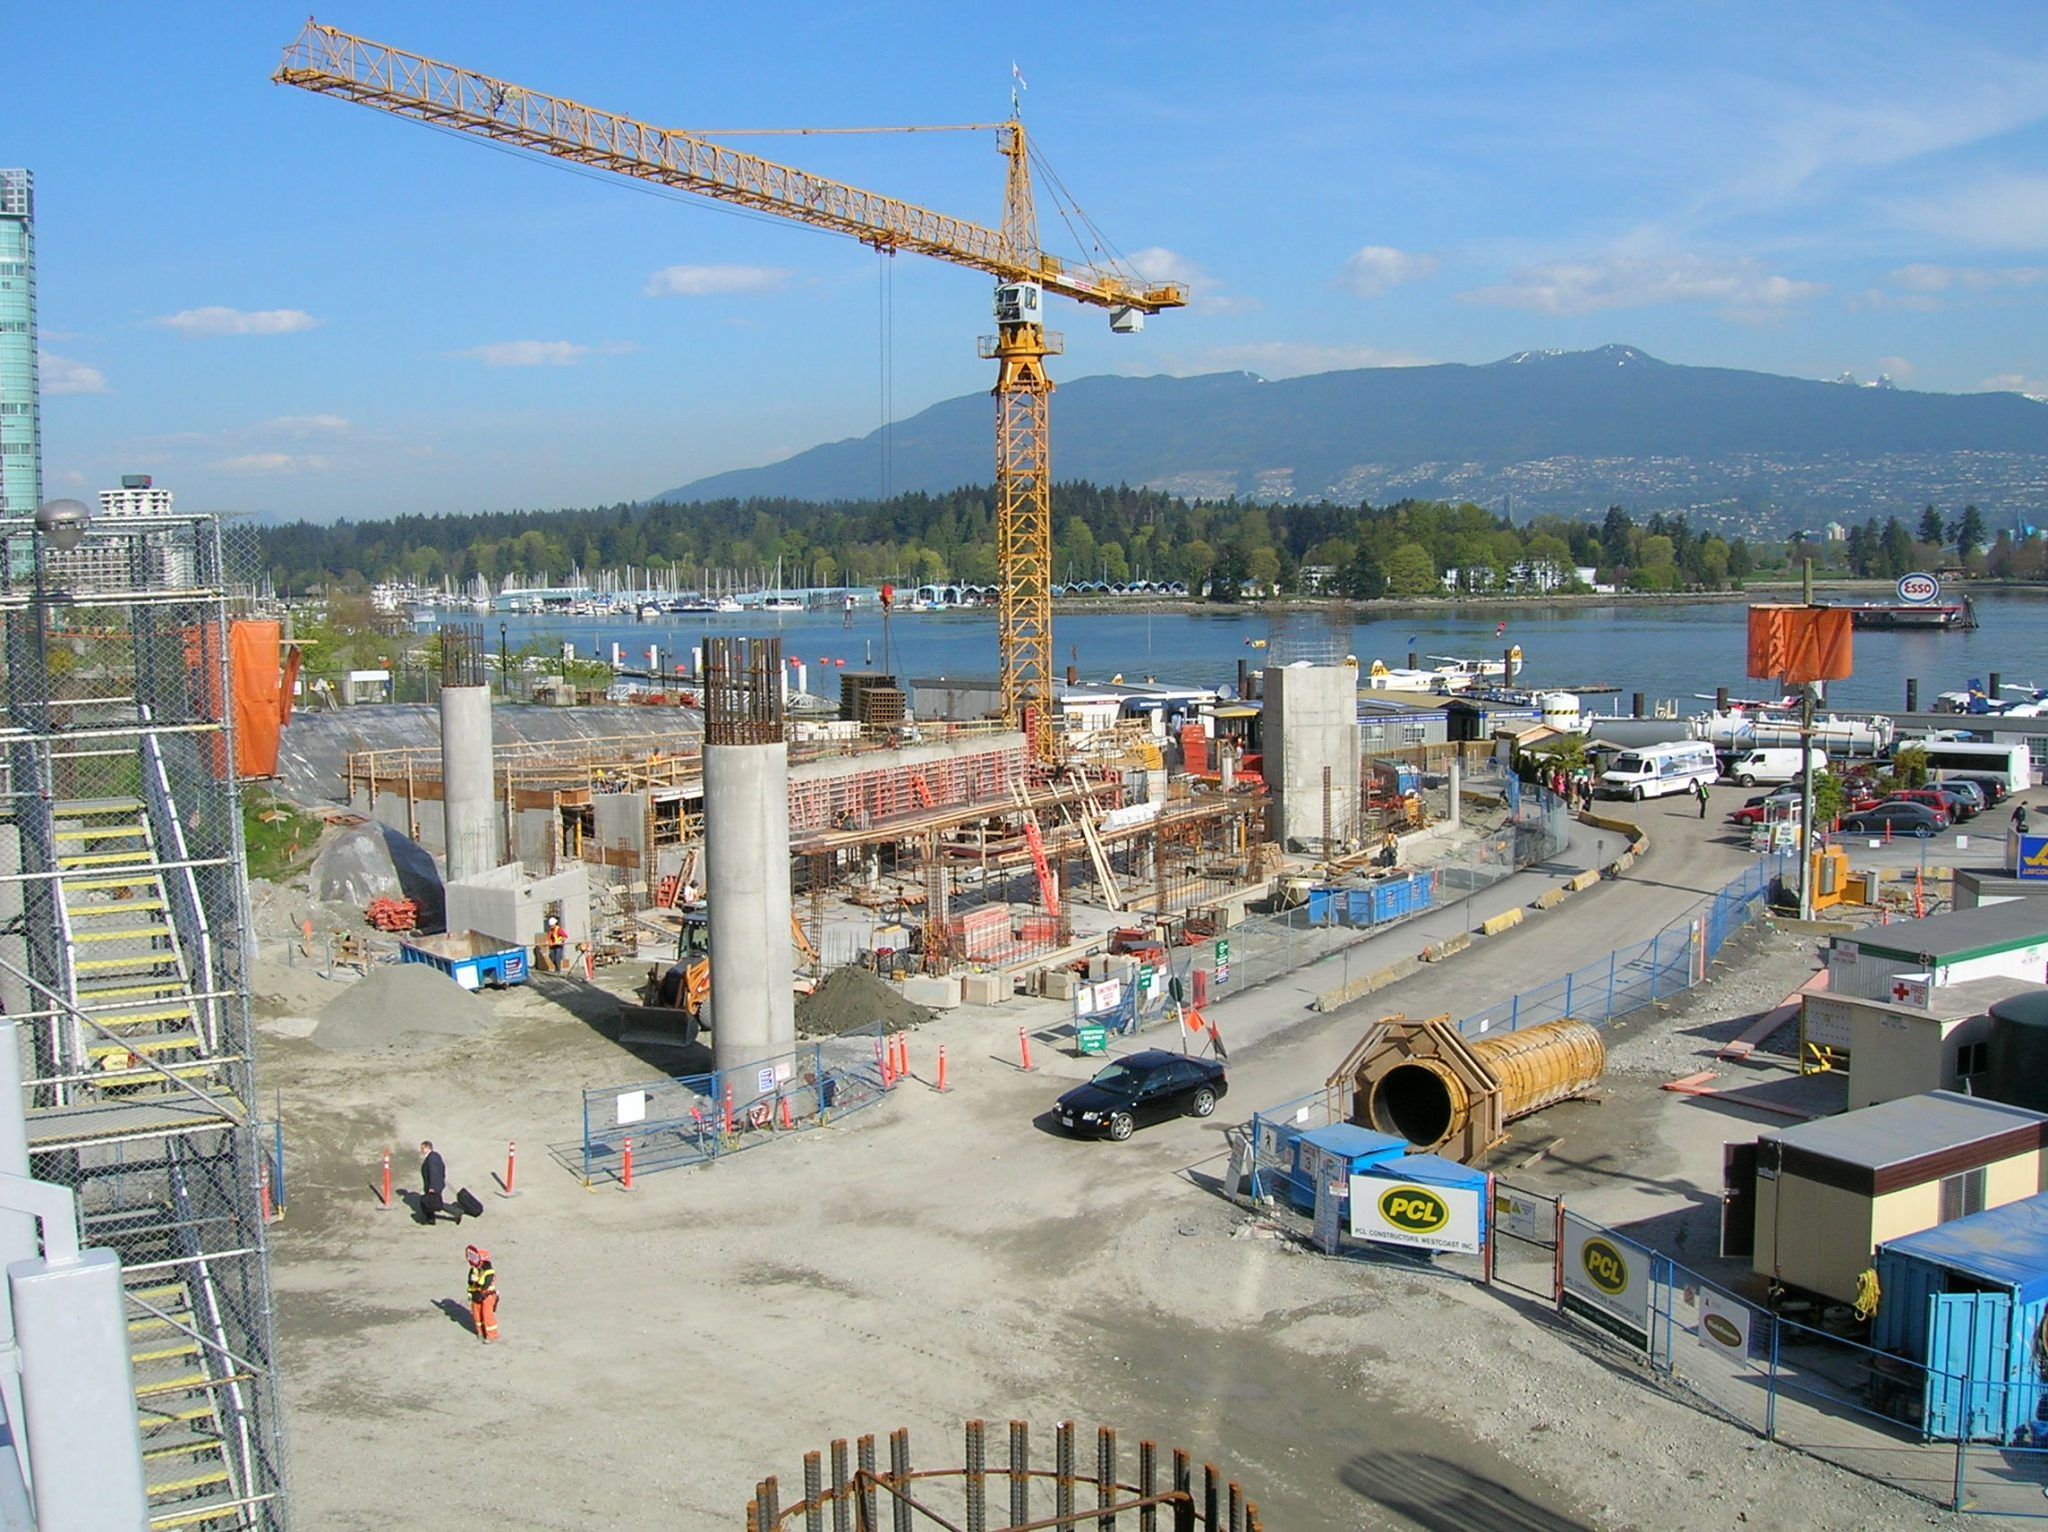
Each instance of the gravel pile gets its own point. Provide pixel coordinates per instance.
(403, 1004)
(852, 997)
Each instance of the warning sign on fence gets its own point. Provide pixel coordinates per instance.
(1531, 1218)
(1607, 1277)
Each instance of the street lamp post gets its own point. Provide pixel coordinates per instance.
(504, 666)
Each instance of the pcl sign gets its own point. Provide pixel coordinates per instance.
(1442, 1218)
(1919, 589)
(1606, 1278)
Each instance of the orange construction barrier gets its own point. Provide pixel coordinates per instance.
(511, 1164)
(942, 1085)
(628, 1172)
(1024, 1049)
(387, 1178)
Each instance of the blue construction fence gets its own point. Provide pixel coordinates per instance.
(1631, 977)
(681, 1120)
(1962, 1442)
(1626, 980)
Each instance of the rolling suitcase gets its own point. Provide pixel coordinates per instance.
(466, 1201)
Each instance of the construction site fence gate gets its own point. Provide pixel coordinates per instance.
(680, 1120)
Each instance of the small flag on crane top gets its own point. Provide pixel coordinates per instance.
(1017, 75)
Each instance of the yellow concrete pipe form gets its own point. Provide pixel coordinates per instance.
(1429, 1101)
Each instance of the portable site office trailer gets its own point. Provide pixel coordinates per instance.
(1341, 1146)
(1991, 941)
(1969, 1300)
(1809, 1204)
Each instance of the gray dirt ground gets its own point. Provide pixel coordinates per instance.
(941, 1257)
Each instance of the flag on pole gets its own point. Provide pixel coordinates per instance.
(1017, 75)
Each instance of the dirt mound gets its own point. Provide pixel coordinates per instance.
(852, 997)
(403, 1003)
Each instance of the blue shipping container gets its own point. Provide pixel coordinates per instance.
(1968, 1299)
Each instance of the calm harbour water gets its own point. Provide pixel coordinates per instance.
(1663, 650)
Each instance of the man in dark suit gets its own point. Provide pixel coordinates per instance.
(433, 1182)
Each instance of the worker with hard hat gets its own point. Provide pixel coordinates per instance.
(483, 1294)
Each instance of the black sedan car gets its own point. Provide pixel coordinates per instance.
(1894, 818)
(1141, 1088)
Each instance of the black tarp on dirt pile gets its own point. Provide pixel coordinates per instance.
(373, 861)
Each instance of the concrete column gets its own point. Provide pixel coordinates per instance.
(746, 871)
(1457, 790)
(1311, 726)
(78, 1393)
(471, 821)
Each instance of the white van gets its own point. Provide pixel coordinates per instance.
(1750, 767)
(1655, 770)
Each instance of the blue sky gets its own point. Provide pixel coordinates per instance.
(287, 304)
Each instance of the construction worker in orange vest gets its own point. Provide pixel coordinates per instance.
(483, 1294)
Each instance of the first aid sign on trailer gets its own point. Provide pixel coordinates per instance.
(1421, 1217)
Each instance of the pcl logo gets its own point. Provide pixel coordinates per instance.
(1414, 1210)
(1918, 588)
(1723, 1330)
(1605, 1266)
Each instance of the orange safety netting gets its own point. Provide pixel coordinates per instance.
(1798, 644)
(262, 693)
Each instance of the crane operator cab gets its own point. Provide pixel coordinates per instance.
(1020, 303)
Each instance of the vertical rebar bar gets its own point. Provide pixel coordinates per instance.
(869, 1521)
(1063, 1470)
(814, 1493)
(771, 1503)
(899, 1474)
(1105, 1476)
(754, 1511)
(1020, 1472)
(842, 1488)
(977, 1476)
(1184, 1492)
(1236, 1507)
(1148, 1485)
(1211, 1521)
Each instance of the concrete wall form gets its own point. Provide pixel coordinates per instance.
(507, 904)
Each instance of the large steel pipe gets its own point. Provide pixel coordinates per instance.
(1428, 1100)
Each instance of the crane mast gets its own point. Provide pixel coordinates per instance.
(331, 62)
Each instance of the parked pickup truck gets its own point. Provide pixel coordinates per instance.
(470, 958)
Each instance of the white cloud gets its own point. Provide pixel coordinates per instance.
(303, 425)
(209, 322)
(63, 375)
(708, 281)
(1289, 359)
(1741, 288)
(2015, 383)
(1941, 279)
(254, 465)
(1999, 212)
(1371, 269)
(1155, 263)
(540, 353)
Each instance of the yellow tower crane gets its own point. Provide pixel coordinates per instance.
(335, 63)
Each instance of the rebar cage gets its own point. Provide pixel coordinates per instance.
(124, 936)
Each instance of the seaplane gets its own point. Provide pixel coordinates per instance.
(1451, 674)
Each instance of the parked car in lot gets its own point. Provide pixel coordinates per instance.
(1991, 785)
(1762, 805)
(1141, 1088)
(1896, 819)
(1973, 797)
(1939, 799)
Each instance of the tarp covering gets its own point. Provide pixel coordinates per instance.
(1798, 644)
(263, 696)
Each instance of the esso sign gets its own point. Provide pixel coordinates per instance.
(1918, 588)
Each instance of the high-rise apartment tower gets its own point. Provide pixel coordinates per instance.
(21, 442)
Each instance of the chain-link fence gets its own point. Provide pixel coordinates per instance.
(123, 942)
(682, 1120)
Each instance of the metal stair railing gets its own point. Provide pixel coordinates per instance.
(181, 888)
(239, 1454)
